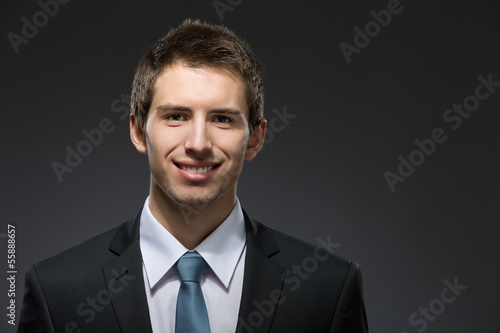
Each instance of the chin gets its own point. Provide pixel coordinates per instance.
(194, 201)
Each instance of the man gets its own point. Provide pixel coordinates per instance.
(197, 112)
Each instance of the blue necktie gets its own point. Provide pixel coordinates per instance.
(191, 315)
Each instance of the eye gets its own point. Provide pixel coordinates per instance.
(175, 117)
(222, 119)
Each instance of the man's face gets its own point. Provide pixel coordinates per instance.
(197, 135)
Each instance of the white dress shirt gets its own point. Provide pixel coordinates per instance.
(221, 281)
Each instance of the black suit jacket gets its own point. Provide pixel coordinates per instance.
(98, 286)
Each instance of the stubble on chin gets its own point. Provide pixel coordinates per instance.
(196, 200)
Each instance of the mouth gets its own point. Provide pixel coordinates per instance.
(196, 171)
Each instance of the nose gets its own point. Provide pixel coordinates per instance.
(198, 140)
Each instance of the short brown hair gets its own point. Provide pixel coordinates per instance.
(198, 44)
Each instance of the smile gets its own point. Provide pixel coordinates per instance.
(196, 170)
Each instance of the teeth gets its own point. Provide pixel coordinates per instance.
(196, 170)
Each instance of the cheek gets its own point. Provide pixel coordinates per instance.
(234, 145)
(161, 143)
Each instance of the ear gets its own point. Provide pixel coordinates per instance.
(257, 140)
(137, 136)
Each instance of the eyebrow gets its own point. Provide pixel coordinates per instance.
(175, 107)
(226, 111)
(171, 107)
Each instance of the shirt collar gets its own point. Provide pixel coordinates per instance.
(221, 249)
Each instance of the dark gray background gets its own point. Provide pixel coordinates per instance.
(321, 176)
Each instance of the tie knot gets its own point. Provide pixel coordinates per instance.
(190, 266)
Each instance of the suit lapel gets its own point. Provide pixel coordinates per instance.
(263, 281)
(125, 281)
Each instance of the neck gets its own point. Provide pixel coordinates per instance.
(190, 226)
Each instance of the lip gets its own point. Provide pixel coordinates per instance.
(196, 171)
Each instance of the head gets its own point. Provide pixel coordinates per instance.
(197, 44)
(197, 111)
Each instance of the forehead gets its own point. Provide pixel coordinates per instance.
(205, 86)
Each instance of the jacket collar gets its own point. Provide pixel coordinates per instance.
(125, 280)
(263, 281)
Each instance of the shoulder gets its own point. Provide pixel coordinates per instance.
(79, 265)
(294, 251)
(88, 251)
(294, 254)
(89, 255)
(315, 277)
